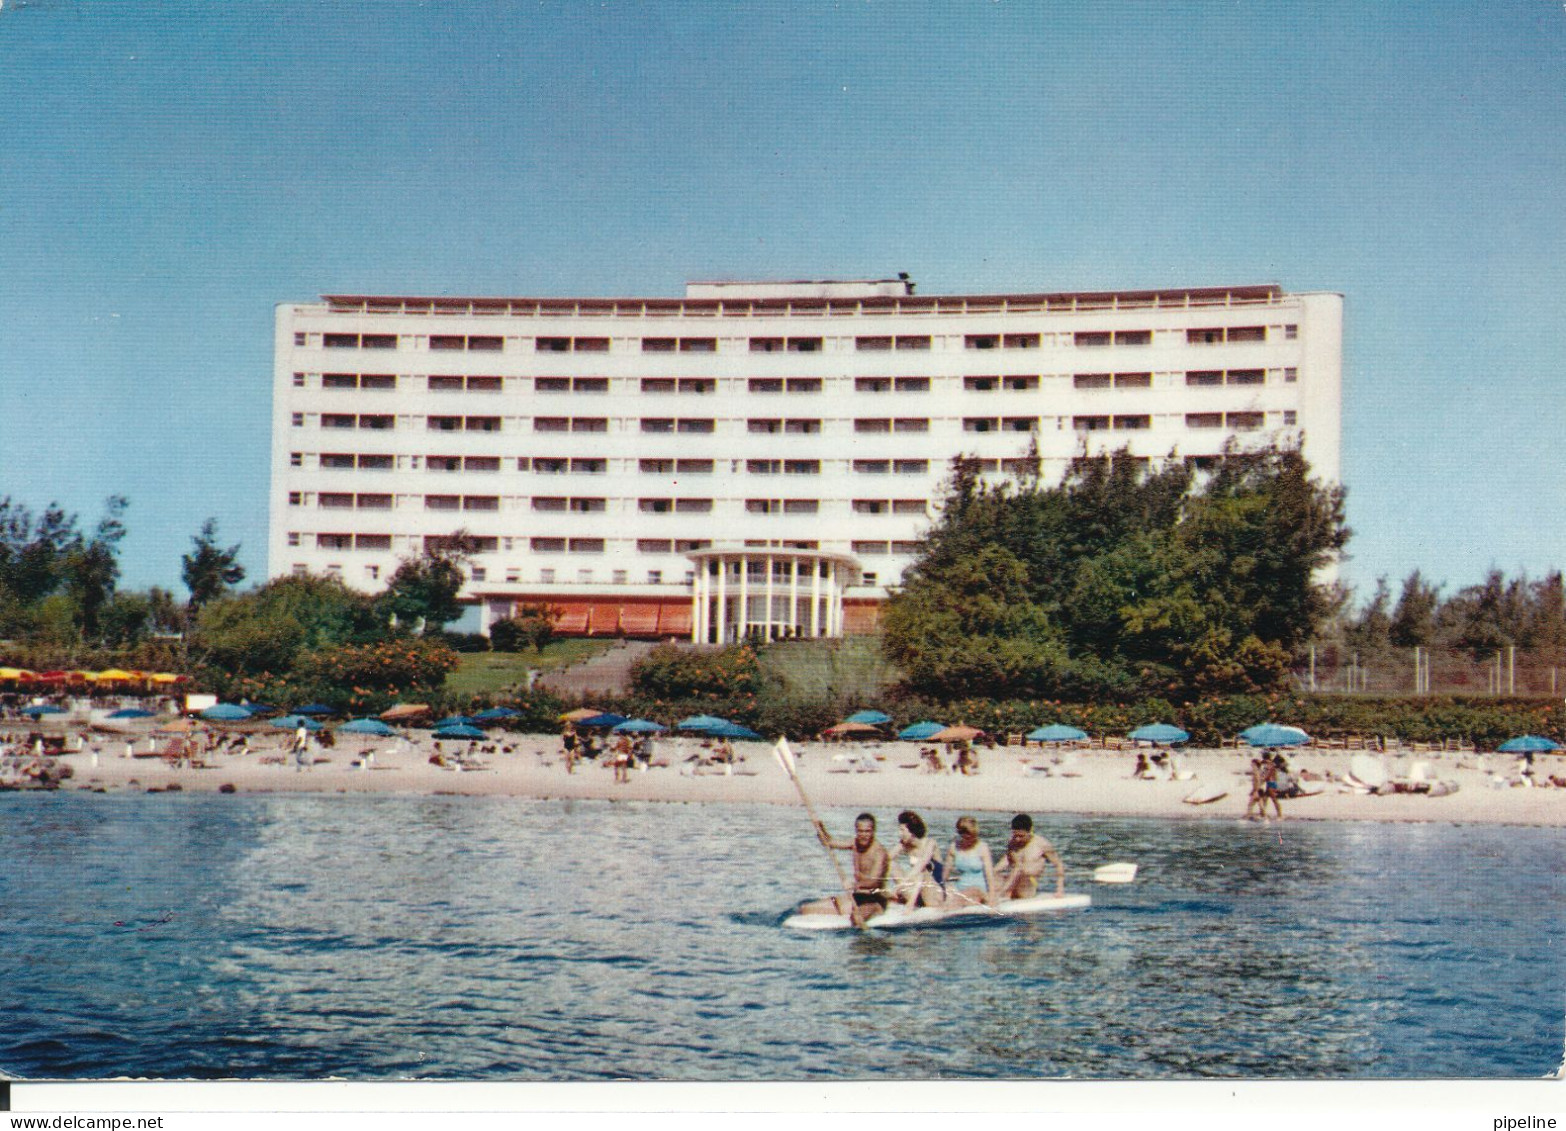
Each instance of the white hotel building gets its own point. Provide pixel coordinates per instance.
(753, 458)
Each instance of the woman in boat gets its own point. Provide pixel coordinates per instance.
(913, 876)
(968, 875)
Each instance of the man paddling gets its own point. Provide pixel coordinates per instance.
(871, 864)
(1017, 877)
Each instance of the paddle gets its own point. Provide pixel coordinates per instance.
(785, 758)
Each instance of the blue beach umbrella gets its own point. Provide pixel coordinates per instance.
(454, 721)
(226, 713)
(1159, 732)
(1056, 732)
(639, 726)
(129, 713)
(294, 722)
(466, 732)
(495, 714)
(1528, 744)
(258, 708)
(367, 726)
(732, 730)
(701, 723)
(1273, 734)
(313, 709)
(918, 732)
(38, 709)
(873, 718)
(606, 720)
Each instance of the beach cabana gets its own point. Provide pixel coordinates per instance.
(920, 732)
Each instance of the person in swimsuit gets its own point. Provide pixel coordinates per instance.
(871, 864)
(1026, 855)
(969, 872)
(913, 879)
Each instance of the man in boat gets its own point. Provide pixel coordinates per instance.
(1027, 854)
(871, 864)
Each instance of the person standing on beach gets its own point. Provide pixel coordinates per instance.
(871, 864)
(1024, 862)
(568, 747)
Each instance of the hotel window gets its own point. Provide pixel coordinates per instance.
(551, 384)
(378, 423)
(1291, 375)
(1019, 383)
(295, 459)
(546, 465)
(801, 506)
(299, 380)
(372, 541)
(481, 463)
(872, 384)
(980, 384)
(335, 380)
(698, 345)
(911, 466)
(1090, 423)
(589, 466)
(336, 420)
(1247, 377)
(1204, 377)
(657, 424)
(478, 573)
(1020, 466)
(1290, 417)
(482, 423)
(700, 386)
(694, 466)
(298, 420)
(658, 385)
(620, 577)
(1021, 341)
(908, 506)
(588, 506)
(655, 577)
(591, 345)
(551, 424)
(653, 545)
(340, 341)
(377, 463)
(589, 424)
(481, 502)
(914, 342)
(872, 466)
(1133, 423)
(913, 384)
(980, 424)
(872, 344)
(1247, 334)
(981, 341)
(910, 424)
(442, 502)
(765, 385)
(445, 384)
(872, 426)
(296, 498)
(332, 500)
(762, 506)
(658, 345)
(1020, 424)
(802, 467)
(378, 341)
(293, 538)
(655, 466)
(870, 549)
(301, 338)
(547, 576)
(485, 384)
(550, 503)
(547, 546)
(655, 506)
(1291, 332)
(1092, 338)
(804, 345)
(543, 345)
(523, 462)
(693, 506)
(1133, 337)
(768, 427)
(1246, 421)
(1204, 420)
(766, 345)
(1133, 380)
(804, 384)
(445, 424)
(590, 385)
(802, 426)
(1091, 380)
(336, 459)
(906, 548)
(702, 427)
(870, 506)
(443, 463)
(1210, 336)
(334, 541)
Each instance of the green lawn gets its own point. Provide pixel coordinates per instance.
(482, 673)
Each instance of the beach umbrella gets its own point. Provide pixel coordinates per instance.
(167, 677)
(465, 732)
(38, 709)
(17, 675)
(1272, 734)
(956, 734)
(1528, 744)
(116, 675)
(1159, 733)
(225, 713)
(454, 721)
(848, 727)
(294, 722)
(605, 720)
(918, 732)
(581, 713)
(495, 714)
(732, 730)
(313, 709)
(639, 726)
(129, 713)
(405, 711)
(874, 718)
(367, 726)
(700, 723)
(1056, 732)
(259, 708)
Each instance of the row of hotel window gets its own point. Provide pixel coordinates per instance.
(1018, 465)
(597, 465)
(490, 545)
(494, 343)
(1244, 421)
(1016, 382)
(344, 500)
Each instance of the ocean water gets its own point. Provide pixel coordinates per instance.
(381, 938)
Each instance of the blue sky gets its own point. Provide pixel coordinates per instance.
(171, 171)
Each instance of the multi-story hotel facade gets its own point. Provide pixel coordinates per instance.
(753, 458)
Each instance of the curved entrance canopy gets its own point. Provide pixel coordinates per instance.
(768, 593)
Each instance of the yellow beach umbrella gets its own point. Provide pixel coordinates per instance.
(16, 674)
(580, 713)
(117, 675)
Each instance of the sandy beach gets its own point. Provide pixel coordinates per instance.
(1089, 782)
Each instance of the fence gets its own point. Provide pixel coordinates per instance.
(1510, 672)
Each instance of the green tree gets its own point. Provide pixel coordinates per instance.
(92, 568)
(532, 626)
(1413, 619)
(209, 570)
(267, 629)
(422, 593)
